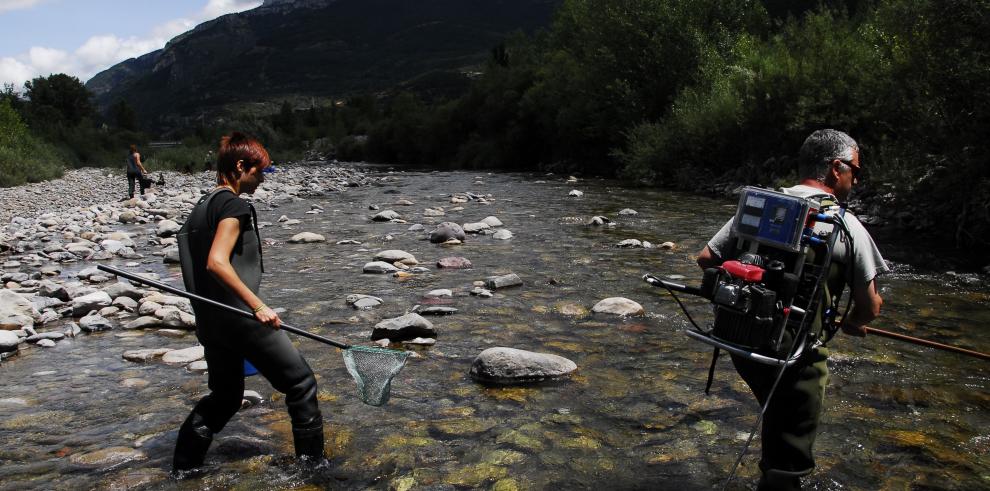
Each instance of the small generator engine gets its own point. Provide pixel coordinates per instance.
(756, 294)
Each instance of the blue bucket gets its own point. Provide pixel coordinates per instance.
(249, 369)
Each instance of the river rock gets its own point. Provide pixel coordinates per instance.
(631, 243)
(667, 246)
(433, 212)
(477, 227)
(363, 302)
(504, 234)
(504, 281)
(446, 231)
(95, 322)
(167, 228)
(170, 255)
(454, 263)
(48, 288)
(184, 356)
(618, 306)
(481, 292)
(198, 366)
(435, 310)
(125, 303)
(492, 221)
(120, 289)
(107, 457)
(16, 311)
(46, 343)
(628, 212)
(379, 267)
(143, 355)
(9, 341)
(386, 215)
(52, 335)
(597, 221)
(144, 322)
(93, 301)
(408, 326)
(307, 238)
(575, 193)
(515, 366)
(395, 255)
(441, 292)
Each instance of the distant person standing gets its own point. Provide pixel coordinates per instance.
(208, 161)
(135, 171)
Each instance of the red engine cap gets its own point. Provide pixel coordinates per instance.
(746, 272)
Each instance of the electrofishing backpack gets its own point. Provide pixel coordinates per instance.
(773, 295)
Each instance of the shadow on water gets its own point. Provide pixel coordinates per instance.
(634, 416)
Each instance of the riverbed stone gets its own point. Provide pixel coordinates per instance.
(379, 267)
(16, 310)
(503, 281)
(387, 215)
(454, 262)
(628, 212)
(504, 234)
(435, 310)
(618, 306)
(46, 343)
(125, 303)
(476, 227)
(88, 303)
(440, 292)
(143, 355)
(408, 326)
(598, 220)
(504, 365)
(184, 356)
(198, 366)
(123, 289)
(446, 231)
(9, 341)
(395, 255)
(107, 457)
(51, 289)
(167, 228)
(95, 322)
(575, 193)
(307, 238)
(492, 221)
(631, 243)
(363, 302)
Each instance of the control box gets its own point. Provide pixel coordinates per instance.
(771, 218)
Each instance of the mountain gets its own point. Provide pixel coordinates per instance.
(322, 48)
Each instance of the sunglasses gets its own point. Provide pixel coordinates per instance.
(856, 170)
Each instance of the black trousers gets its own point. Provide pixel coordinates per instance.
(228, 341)
(131, 177)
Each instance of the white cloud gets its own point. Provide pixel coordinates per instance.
(103, 51)
(7, 5)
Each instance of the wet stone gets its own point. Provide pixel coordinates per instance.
(408, 326)
(108, 457)
(436, 310)
(504, 281)
(618, 306)
(515, 366)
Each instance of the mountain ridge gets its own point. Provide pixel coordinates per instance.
(321, 48)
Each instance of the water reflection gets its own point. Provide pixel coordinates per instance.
(633, 416)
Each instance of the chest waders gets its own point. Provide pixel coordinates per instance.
(230, 340)
(775, 297)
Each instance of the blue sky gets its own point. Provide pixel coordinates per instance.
(83, 37)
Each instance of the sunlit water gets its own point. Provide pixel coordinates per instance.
(634, 415)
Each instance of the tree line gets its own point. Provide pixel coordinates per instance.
(679, 93)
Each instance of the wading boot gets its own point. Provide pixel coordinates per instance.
(191, 445)
(308, 439)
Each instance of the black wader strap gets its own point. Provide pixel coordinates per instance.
(257, 233)
(711, 371)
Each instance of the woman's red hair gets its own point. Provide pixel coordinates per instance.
(239, 147)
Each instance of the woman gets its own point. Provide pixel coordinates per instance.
(221, 253)
(135, 171)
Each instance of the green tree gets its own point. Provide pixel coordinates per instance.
(66, 95)
(123, 116)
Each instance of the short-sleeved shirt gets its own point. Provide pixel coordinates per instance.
(224, 205)
(867, 261)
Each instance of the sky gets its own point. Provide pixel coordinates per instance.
(84, 37)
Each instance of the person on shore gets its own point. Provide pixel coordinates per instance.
(135, 171)
(208, 161)
(220, 251)
(829, 166)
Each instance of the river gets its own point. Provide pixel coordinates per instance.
(634, 415)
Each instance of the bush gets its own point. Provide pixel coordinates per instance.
(23, 158)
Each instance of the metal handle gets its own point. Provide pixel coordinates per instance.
(653, 280)
(222, 306)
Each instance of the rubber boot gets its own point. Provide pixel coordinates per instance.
(191, 445)
(779, 481)
(308, 439)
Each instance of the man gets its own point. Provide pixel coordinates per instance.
(829, 166)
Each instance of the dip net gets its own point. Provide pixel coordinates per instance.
(373, 369)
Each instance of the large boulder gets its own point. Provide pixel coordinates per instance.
(516, 366)
(184, 356)
(167, 228)
(446, 231)
(16, 311)
(408, 326)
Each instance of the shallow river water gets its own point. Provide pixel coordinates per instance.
(634, 415)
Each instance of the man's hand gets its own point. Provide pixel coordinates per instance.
(853, 330)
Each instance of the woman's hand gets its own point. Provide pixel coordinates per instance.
(266, 315)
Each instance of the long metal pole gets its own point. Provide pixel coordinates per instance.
(925, 342)
(223, 306)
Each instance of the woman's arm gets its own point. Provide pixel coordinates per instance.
(218, 264)
(137, 159)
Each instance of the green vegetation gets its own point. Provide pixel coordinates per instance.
(681, 93)
(23, 158)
